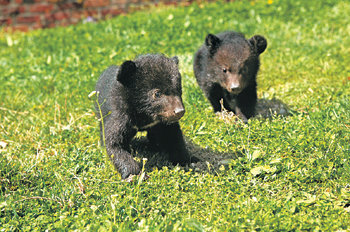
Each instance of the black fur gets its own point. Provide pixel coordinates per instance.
(144, 94)
(225, 67)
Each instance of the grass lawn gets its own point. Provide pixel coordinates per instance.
(281, 174)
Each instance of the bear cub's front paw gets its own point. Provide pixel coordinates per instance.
(130, 168)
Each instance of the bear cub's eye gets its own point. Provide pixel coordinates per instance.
(157, 94)
(224, 70)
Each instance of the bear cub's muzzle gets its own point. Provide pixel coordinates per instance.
(173, 111)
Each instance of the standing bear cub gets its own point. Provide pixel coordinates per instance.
(141, 95)
(226, 67)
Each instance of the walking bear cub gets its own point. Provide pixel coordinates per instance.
(225, 67)
(141, 95)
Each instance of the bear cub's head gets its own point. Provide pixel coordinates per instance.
(152, 84)
(234, 60)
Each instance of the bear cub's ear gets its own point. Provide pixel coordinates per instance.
(126, 70)
(259, 42)
(175, 59)
(212, 42)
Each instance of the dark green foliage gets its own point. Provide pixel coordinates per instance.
(292, 173)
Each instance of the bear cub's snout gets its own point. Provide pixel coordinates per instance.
(173, 110)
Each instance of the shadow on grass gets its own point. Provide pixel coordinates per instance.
(268, 108)
(155, 159)
(142, 149)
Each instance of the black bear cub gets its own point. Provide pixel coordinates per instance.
(141, 95)
(226, 67)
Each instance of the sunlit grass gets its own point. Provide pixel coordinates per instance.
(292, 173)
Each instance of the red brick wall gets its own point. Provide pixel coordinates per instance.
(27, 15)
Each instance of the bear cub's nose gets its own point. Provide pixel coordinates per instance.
(234, 87)
(179, 112)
